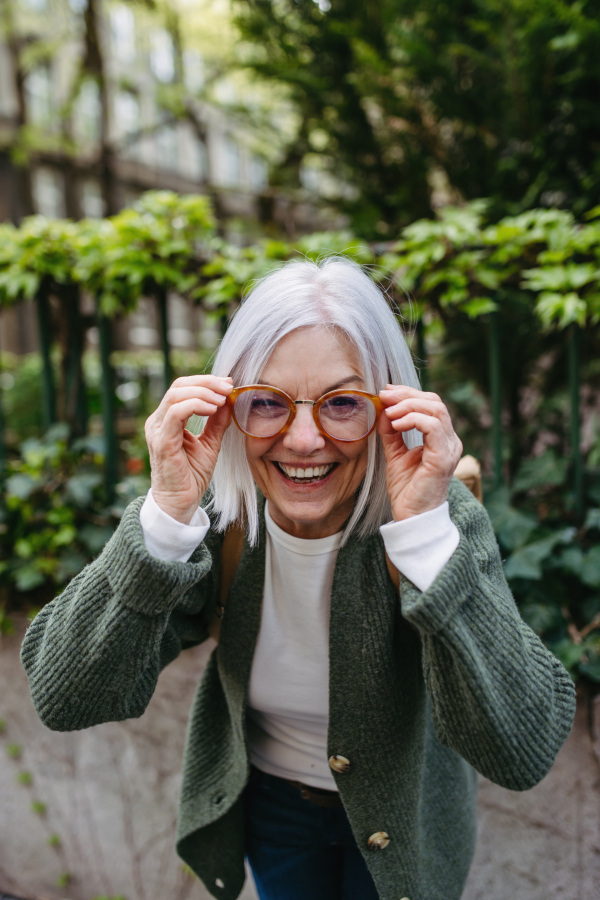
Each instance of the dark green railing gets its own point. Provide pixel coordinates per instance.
(573, 352)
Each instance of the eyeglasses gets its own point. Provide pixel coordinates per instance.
(262, 411)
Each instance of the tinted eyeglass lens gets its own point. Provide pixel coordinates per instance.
(347, 417)
(261, 413)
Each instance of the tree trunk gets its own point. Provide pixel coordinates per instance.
(93, 64)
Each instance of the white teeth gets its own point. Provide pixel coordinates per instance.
(308, 473)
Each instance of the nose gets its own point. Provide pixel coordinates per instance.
(303, 437)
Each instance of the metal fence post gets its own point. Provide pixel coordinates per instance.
(422, 355)
(48, 388)
(111, 474)
(161, 298)
(495, 395)
(573, 362)
(2, 433)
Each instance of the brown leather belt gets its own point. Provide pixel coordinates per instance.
(318, 796)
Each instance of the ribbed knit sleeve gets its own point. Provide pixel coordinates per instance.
(499, 698)
(95, 652)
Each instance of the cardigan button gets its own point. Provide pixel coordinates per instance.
(378, 841)
(339, 764)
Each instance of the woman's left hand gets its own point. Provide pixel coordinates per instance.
(417, 480)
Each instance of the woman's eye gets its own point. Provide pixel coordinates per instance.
(267, 407)
(341, 406)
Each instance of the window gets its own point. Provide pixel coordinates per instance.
(193, 66)
(231, 162)
(92, 203)
(48, 193)
(122, 27)
(38, 92)
(167, 155)
(258, 173)
(127, 113)
(87, 113)
(198, 160)
(162, 59)
(36, 5)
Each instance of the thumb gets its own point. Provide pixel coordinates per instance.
(393, 441)
(215, 428)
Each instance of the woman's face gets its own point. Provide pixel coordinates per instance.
(306, 364)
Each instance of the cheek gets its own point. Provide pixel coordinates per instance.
(254, 453)
(356, 461)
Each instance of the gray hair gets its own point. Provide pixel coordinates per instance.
(333, 292)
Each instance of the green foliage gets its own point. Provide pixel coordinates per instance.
(55, 513)
(25, 778)
(54, 840)
(159, 243)
(489, 99)
(458, 263)
(14, 751)
(553, 567)
(39, 250)
(6, 624)
(232, 270)
(38, 807)
(63, 879)
(22, 400)
(105, 897)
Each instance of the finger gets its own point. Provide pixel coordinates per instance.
(395, 392)
(418, 404)
(435, 439)
(215, 428)
(177, 394)
(429, 426)
(214, 382)
(172, 426)
(393, 442)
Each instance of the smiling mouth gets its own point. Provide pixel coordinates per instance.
(305, 475)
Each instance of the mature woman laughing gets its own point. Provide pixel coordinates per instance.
(371, 658)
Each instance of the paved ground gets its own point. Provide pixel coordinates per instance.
(110, 795)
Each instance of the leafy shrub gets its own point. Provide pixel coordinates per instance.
(551, 563)
(55, 518)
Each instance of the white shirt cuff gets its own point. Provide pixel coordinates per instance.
(168, 539)
(421, 546)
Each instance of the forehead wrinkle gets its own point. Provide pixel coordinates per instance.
(350, 379)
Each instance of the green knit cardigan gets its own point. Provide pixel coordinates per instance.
(424, 689)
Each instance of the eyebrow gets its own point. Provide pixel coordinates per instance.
(333, 387)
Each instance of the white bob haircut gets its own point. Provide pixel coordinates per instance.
(334, 293)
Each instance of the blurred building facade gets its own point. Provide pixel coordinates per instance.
(87, 92)
(56, 117)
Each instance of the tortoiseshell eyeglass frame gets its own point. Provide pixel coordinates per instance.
(316, 406)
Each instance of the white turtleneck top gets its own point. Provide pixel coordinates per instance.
(288, 698)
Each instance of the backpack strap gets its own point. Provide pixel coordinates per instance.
(231, 551)
(394, 573)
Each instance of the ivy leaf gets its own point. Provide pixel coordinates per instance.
(20, 486)
(479, 306)
(590, 568)
(592, 520)
(28, 577)
(547, 469)
(526, 561)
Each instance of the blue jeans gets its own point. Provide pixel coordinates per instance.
(300, 851)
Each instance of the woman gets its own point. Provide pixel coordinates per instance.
(338, 716)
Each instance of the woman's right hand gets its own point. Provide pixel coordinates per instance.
(182, 463)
